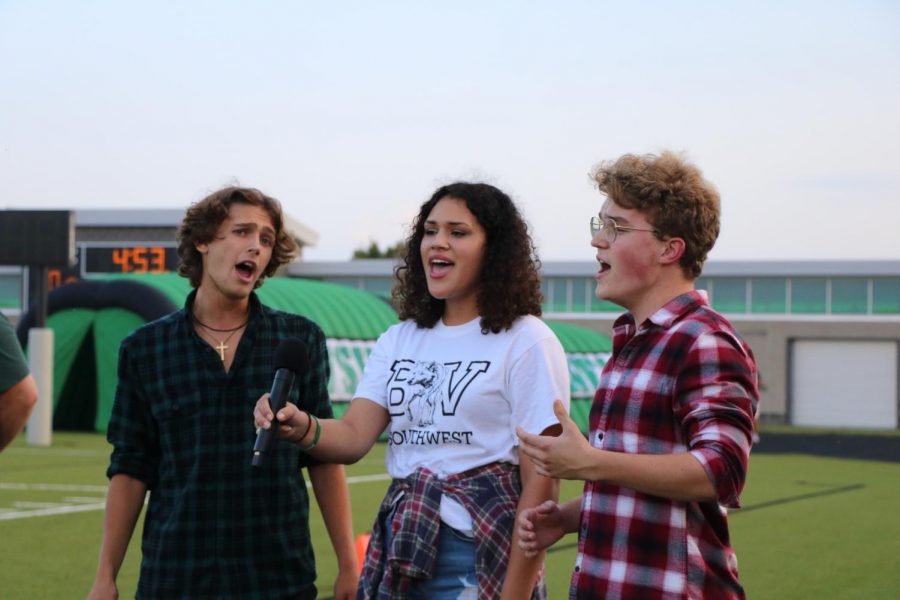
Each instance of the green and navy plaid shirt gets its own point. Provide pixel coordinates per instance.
(215, 526)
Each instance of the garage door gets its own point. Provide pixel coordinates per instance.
(838, 383)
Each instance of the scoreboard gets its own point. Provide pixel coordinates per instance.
(131, 258)
(94, 258)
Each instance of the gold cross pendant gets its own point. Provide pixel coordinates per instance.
(222, 348)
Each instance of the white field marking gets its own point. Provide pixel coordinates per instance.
(46, 512)
(27, 504)
(368, 478)
(59, 487)
(9, 515)
(82, 499)
(57, 451)
(361, 479)
(53, 487)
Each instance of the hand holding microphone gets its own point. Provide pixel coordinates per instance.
(290, 359)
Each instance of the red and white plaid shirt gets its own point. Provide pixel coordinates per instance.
(411, 508)
(681, 382)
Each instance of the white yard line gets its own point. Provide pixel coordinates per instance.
(84, 504)
(28, 504)
(52, 487)
(365, 478)
(82, 499)
(46, 512)
(58, 451)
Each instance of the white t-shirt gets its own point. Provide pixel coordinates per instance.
(456, 395)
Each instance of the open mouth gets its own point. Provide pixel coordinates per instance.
(440, 267)
(246, 270)
(604, 267)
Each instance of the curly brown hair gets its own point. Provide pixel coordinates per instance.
(509, 284)
(202, 221)
(672, 194)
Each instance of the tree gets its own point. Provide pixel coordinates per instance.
(373, 251)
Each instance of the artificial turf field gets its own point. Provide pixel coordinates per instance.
(811, 527)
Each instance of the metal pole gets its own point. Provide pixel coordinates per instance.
(40, 362)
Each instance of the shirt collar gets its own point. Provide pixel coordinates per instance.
(670, 312)
(189, 307)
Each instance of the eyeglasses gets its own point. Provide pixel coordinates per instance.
(611, 229)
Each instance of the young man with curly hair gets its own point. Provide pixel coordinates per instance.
(470, 362)
(672, 418)
(216, 527)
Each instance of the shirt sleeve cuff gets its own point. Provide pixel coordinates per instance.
(709, 459)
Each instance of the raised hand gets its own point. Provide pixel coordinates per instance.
(565, 456)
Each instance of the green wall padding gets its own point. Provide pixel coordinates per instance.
(579, 339)
(342, 312)
(580, 411)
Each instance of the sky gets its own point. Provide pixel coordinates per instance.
(353, 113)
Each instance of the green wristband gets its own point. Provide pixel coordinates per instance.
(315, 437)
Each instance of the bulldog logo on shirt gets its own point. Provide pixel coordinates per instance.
(418, 388)
(424, 384)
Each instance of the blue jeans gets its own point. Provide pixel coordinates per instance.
(454, 571)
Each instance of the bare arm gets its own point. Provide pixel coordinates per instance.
(678, 476)
(330, 486)
(124, 501)
(521, 574)
(343, 440)
(15, 406)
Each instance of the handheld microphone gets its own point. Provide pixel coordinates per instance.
(290, 359)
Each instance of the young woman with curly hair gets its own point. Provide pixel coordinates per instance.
(469, 363)
(507, 283)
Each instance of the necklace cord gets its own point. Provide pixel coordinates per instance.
(222, 347)
(205, 326)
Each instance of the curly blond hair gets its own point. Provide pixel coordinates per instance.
(672, 194)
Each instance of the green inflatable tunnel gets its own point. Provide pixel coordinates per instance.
(91, 318)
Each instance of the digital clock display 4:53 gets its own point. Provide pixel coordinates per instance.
(129, 259)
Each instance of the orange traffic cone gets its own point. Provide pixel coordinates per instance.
(362, 543)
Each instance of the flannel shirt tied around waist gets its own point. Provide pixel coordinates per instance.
(490, 494)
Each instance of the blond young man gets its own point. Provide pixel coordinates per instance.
(672, 418)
